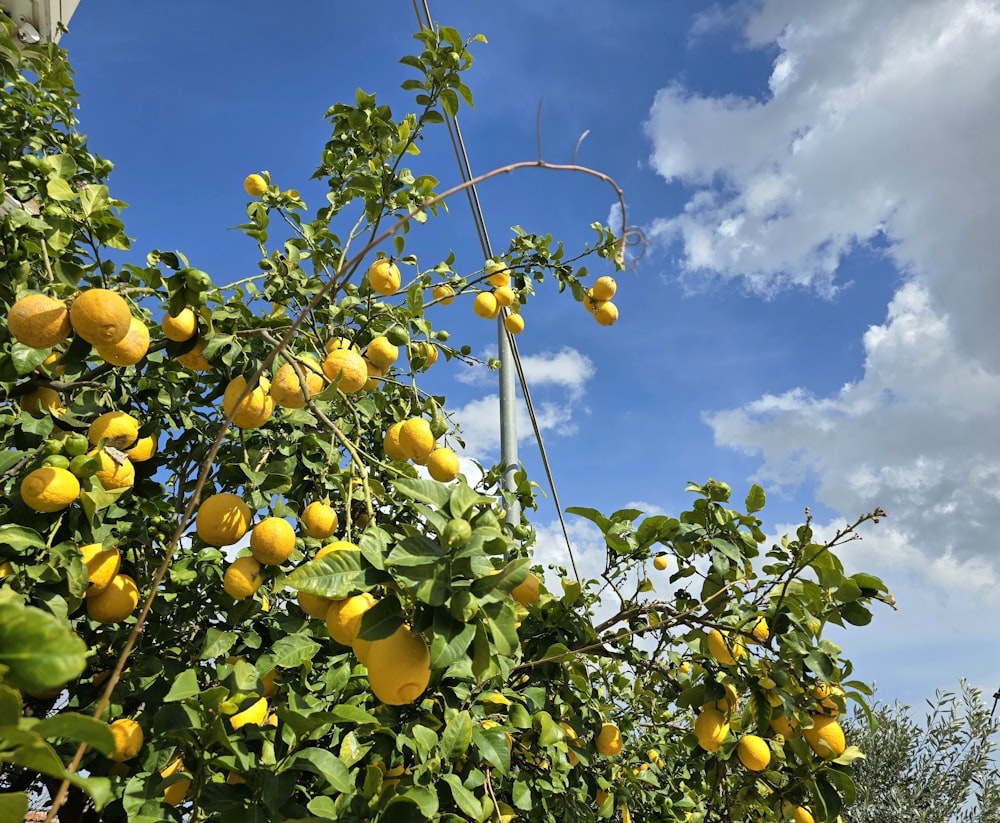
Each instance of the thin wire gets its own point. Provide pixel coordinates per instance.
(465, 170)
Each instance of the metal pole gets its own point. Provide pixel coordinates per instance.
(508, 420)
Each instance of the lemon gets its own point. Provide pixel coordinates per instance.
(711, 728)
(348, 367)
(486, 306)
(497, 274)
(729, 703)
(39, 321)
(442, 463)
(102, 565)
(609, 740)
(505, 296)
(143, 449)
(375, 375)
(319, 519)
(754, 753)
(255, 185)
(131, 348)
(254, 715)
(423, 356)
(115, 475)
(343, 618)
(180, 327)
(116, 428)
(606, 314)
(604, 289)
(194, 359)
(798, 814)
(526, 592)
(222, 519)
(383, 275)
(660, 562)
(242, 578)
(101, 317)
(783, 726)
(286, 388)
(270, 680)
(391, 444)
(42, 399)
(444, 294)
(272, 541)
(399, 667)
(760, 630)
(116, 602)
(128, 739)
(314, 606)
(514, 323)
(826, 737)
(382, 353)
(254, 410)
(336, 546)
(416, 441)
(49, 489)
(175, 793)
(720, 649)
(571, 738)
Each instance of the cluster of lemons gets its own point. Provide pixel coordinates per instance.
(489, 304)
(412, 439)
(598, 301)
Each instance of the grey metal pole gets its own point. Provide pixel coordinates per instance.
(508, 419)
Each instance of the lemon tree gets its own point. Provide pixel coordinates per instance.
(242, 576)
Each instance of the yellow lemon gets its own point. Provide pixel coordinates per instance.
(826, 737)
(343, 618)
(514, 323)
(382, 353)
(254, 185)
(286, 388)
(711, 728)
(754, 753)
(49, 489)
(760, 630)
(347, 368)
(144, 448)
(505, 296)
(783, 726)
(254, 410)
(128, 739)
(319, 519)
(131, 348)
(116, 602)
(180, 327)
(497, 274)
(39, 321)
(443, 465)
(571, 738)
(41, 399)
(194, 359)
(399, 667)
(101, 317)
(423, 356)
(606, 314)
(609, 740)
(416, 440)
(272, 541)
(114, 474)
(222, 519)
(375, 375)
(116, 428)
(660, 562)
(526, 592)
(729, 703)
(721, 650)
(384, 277)
(337, 546)
(444, 294)
(314, 606)
(254, 715)
(391, 445)
(604, 289)
(242, 578)
(486, 306)
(102, 565)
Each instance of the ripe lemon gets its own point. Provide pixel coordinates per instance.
(391, 444)
(286, 388)
(382, 353)
(399, 667)
(272, 541)
(760, 630)
(254, 410)
(783, 726)
(336, 546)
(255, 185)
(319, 519)
(443, 465)
(606, 314)
(242, 578)
(343, 618)
(384, 277)
(115, 475)
(514, 323)
(102, 566)
(416, 440)
(604, 289)
(729, 703)
(798, 814)
(42, 399)
(314, 606)
(128, 739)
(254, 715)
(348, 367)
(180, 327)
(39, 321)
(826, 737)
(444, 294)
(497, 274)
(194, 359)
(116, 428)
(175, 793)
(423, 356)
(131, 348)
(375, 375)
(485, 305)
(609, 740)
(660, 562)
(719, 648)
(116, 602)
(143, 449)
(825, 694)
(754, 753)
(222, 519)
(526, 592)
(505, 296)
(101, 317)
(571, 738)
(711, 728)
(49, 489)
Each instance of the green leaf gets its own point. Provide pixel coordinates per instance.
(869, 581)
(26, 359)
(185, 686)
(856, 614)
(59, 189)
(19, 537)
(335, 575)
(293, 650)
(10, 706)
(756, 499)
(325, 764)
(456, 737)
(463, 499)
(593, 515)
(493, 746)
(39, 650)
(79, 727)
(352, 714)
(464, 799)
(13, 806)
(850, 754)
(382, 619)
(217, 643)
(423, 491)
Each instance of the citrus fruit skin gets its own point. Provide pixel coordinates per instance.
(783, 726)
(116, 602)
(100, 316)
(399, 667)
(383, 275)
(102, 566)
(526, 592)
(382, 353)
(272, 541)
(286, 388)
(760, 630)
(505, 296)
(39, 321)
(514, 323)
(336, 546)
(754, 753)
(49, 489)
(128, 739)
(319, 520)
(826, 737)
(254, 185)
(391, 445)
(375, 375)
(254, 715)
(116, 428)
(254, 410)
(711, 728)
(314, 606)
(194, 359)
(444, 294)
(144, 449)
(343, 618)
(115, 475)
(606, 314)
(720, 649)
(798, 814)
(348, 367)
(175, 793)
(609, 740)
(222, 519)
(660, 562)
(416, 441)
(729, 703)
(42, 399)
(443, 465)
(180, 327)
(130, 349)
(497, 274)
(486, 306)
(242, 578)
(604, 289)
(425, 355)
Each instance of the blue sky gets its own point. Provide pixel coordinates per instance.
(815, 309)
